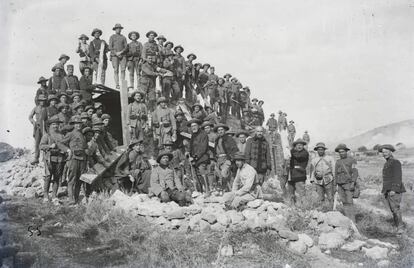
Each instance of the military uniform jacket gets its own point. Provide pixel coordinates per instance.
(163, 117)
(94, 50)
(392, 176)
(54, 84)
(150, 48)
(40, 114)
(345, 171)
(134, 50)
(202, 79)
(162, 178)
(56, 154)
(271, 123)
(51, 111)
(86, 88)
(117, 43)
(179, 62)
(136, 112)
(199, 147)
(189, 71)
(76, 142)
(222, 93)
(228, 145)
(70, 83)
(148, 70)
(298, 163)
(93, 154)
(322, 169)
(291, 129)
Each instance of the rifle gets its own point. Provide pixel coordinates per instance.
(235, 101)
(194, 175)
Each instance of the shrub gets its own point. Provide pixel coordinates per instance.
(362, 149)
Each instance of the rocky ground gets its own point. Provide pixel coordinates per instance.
(130, 231)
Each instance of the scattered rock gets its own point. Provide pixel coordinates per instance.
(255, 203)
(176, 223)
(289, 235)
(6, 152)
(337, 219)
(383, 263)
(217, 227)
(223, 219)
(194, 209)
(204, 226)
(381, 243)
(227, 251)
(306, 239)
(277, 222)
(176, 214)
(235, 217)
(325, 228)
(355, 245)
(249, 214)
(194, 222)
(208, 217)
(298, 246)
(344, 232)
(376, 252)
(330, 240)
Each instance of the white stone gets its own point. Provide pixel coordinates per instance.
(235, 217)
(344, 232)
(355, 245)
(291, 236)
(277, 222)
(227, 251)
(381, 243)
(194, 222)
(383, 263)
(330, 240)
(376, 252)
(176, 214)
(306, 239)
(298, 246)
(194, 209)
(249, 214)
(337, 219)
(204, 226)
(325, 228)
(255, 203)
(223, 219)
(208, 217)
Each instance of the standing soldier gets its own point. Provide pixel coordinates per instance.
(52, 108)
(168, 47)
(164, 122)
(392, 185)
(199, 154)
(306, 138)
(346, 176)
(150, 48)
(297, 172)
(258, 155)
(222, 98)
(261, 112)
(61, 64)
(235, 97)
(291, 132)
(137, 114)
(75, 144)
(179, 67)
(94, 52)
(322, 175)
(161, 49)
(64, 117)
(54, 158)
(85, 85)
(40, 114)
(281, 119)
(117, 46)
(212, 88)
(147, 80)
(212, 136)
(83, 51)
(55, 81)
(70, 82)
(202, 80)
(133, 53)
(43, 90)
(170, 87)
(272, 123)
(189, 77)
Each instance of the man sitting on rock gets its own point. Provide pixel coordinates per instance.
(244, 186)
(165, 185)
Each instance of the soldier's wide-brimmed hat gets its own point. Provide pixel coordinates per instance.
(192, 54)
(84, 115)
(134, 142)
(386, 146)
(105, 116)
(178, 113)
(83, 36)
(169, 43)
(246, 88)
(254, 99)
(163, 153)
(194, 120)
(298, 141)
(41, 97)
(88, 107)
(226, 128)
(86, 67)
(64, 56)
(306, 131)
(161, 37)
(42, 79)
(98, 105)
(76, 93)
(62, 105)
(285, 114)
(233, 79)
(162, 99)
(207, 123)
(151, 32)
(221, 79)
(280, 112)
(96, 30)
(272, 114)
(239, 156)
(69, 66)
(227, 75)
(62, 93)
(78, 105)
(206, 64)
(197, 64)
(54, 119)
(320, 145)
(96, 121)
(52, 97)
(240, 132)
(140, 92)
(117, 26)
(57, 66)
(133, 32)
(75, 120)
(86, 130)
(197, 105)
(97, 129)
(260, 101)
(177, 47)
(341, 146)
(291, 121)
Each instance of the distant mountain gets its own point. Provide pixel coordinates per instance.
(393, 133)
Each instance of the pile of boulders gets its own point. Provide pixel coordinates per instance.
(19, 178)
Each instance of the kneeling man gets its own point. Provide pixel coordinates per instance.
(245, 186)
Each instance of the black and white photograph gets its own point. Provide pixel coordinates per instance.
(185, 133)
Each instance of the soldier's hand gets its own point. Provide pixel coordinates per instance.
(391, 193)
(69, 152)
(52, 146)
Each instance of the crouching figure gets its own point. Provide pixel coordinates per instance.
(245, 186)
(165, 185)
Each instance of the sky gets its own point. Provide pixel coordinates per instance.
(337, 68)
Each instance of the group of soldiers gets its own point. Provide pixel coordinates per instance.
(194, 147)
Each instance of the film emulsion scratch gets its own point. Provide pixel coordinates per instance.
(254, 135)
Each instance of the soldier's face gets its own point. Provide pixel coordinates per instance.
(259, 132)
(239, 163)
(164, 160)
(242, 138)
(106, 122)
(86, 72)
(99, 110)
(54, 126)
(386, 153)
(343, 153)
(212, 70)
(78, 126)
(64, 110)
(207, 129)
(134, 37)
(57, 72)
(97, 35)
(151, 36)
(196, 109)
(137, 97)
(83, 40)
(220, 131)
(321, 151)
(52, 102)
(168, 148)
(179, 118)
(89, 112)
(299, 147)
(169, 46)
(194, 127)
(70, 70)
(89, 135)
(76, 99)
(96, 134)
(161, 41)
(43, 83)
(118, 30)
(79, 110)
(63, 99)
(163, 105)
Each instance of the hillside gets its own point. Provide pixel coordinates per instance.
(393, 133)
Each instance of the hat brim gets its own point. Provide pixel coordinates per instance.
(152, 32)
(119, 27)
(41, 81)
(170, 157)
(131, 33)
(338, 149)
(242, 132)
(75, 122)
(386, 147)
(298, 142)
(98, 31)
(83, 37)
(317, 147)
(197, 121)
(226, 128)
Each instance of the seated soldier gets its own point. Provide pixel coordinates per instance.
(179, 163)
(244, 188)
(133, 170)
(165, 185)
(198, 112)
